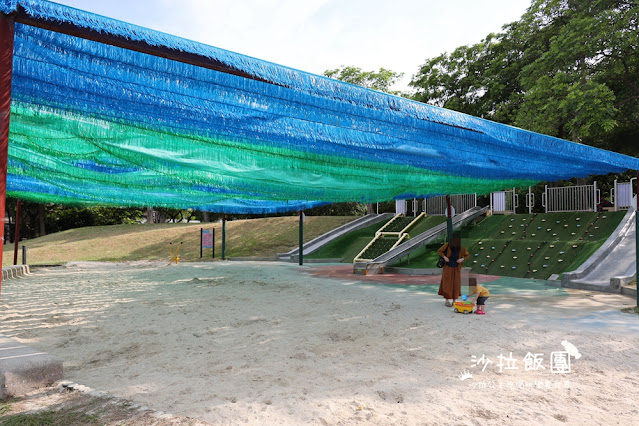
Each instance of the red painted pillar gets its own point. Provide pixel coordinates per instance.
(6, 67)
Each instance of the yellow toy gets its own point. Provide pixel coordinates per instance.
(174, 258)
(463, 307)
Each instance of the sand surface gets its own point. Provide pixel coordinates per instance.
(263, 343)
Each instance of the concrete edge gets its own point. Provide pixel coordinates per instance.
(412, 271)
(622, 280)
(591, 287)
(254, 259)
(629, 291)
(24, 369)
(15, 271)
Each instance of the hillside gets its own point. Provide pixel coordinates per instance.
(254, 237)
(529, 246)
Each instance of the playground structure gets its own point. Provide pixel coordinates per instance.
(388, 237)
(312, 246)
(391, 256)
(175, 257)
(99, 112)
(613, 264)
(229, 159)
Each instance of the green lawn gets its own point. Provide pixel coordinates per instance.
(255, 237)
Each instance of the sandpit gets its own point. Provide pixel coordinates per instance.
(263, 343)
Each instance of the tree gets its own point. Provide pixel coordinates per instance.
(381, 80)
(567, 68)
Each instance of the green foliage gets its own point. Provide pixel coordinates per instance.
(62, 417)
(381, 80)
(60, 218)
(567, 68)
(338, 209)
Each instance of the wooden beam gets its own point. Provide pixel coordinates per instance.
(7, 30)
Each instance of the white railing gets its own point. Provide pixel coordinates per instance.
(530, 200)
(621, 193)
(579, 198)
(436, 206)
(502, 202)
(400, 207)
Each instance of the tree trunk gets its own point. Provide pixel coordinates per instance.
(149, 215)
(42, 213)
(206, 217)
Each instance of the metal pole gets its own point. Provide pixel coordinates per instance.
(636, 234)
(24, 255)
(17, 234)
(223, 236)
(546, 197)
(201, 242)
(449, 219)
(301, 250)
(491, 203)
(529, 199)
(213, 244)
(6, 68)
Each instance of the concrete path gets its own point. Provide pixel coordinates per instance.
(23, 369)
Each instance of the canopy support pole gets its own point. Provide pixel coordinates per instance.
(223, 236)
(16, 240)
(449, 220)
(301, 250)
(636, 236)
(7, 28)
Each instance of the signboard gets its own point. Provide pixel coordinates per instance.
(207, 239)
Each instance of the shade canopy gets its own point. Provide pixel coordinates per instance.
(175, 123)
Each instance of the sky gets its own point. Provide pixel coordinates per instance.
(317, 35)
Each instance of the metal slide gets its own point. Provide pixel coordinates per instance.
(422, 239)
(613, 265)
(315, 244)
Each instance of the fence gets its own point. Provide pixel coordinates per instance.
(580, 198)
(621, 193)
(400, 207)
(436, 206)
(502, 202)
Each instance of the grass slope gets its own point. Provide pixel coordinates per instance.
(529, 246)
(255, 237)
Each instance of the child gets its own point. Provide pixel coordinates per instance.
(480, 298)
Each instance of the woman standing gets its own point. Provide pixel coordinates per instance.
(454, 255)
